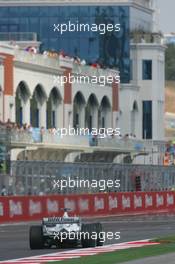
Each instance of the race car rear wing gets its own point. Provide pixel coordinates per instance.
(62, 220)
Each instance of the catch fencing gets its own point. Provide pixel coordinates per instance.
(51, 177)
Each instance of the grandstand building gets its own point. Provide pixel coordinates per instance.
(29, 92)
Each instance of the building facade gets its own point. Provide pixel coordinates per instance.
(35, 20)
(29, 95)
(35, 96)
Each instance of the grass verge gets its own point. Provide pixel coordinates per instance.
(167, 245)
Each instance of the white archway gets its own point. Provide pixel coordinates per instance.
(79, 110)
(54, 106)
(105, 117)
(22, 103)
(91, 114)
(38, 107)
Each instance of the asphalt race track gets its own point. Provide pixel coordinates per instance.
(14, 238)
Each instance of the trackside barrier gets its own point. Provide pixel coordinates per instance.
(20, 208)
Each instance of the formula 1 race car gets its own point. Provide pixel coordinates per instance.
(65, 231)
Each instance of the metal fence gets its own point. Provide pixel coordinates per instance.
(40, 177)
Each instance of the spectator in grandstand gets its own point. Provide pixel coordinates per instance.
(30, 128)
(126, 136)
(42, 130)
(96, 65)
(21, 128)
(15, 126)
(62, 54)
(94, 140)
(9, 124)
(18, 128)
(25, 126)
(31, 49)
(83, 62)
(132, 136)
(45, 54)
(77, 60)
(52, 130)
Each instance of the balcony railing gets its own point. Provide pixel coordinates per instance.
(123, 144)
(58, 63)
(114, 143)
(4, 135)
(18, 36)
(139, 37)
(36, 59)
(145, 3)
(86, 70)
(48, 138)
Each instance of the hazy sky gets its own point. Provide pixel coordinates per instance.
(167, 15)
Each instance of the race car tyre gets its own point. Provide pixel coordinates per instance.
(100, 234)
(36, 237)
(87, 239)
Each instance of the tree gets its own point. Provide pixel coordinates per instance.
(2, 166)
(170, 62)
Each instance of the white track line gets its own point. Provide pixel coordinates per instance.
(72, 254)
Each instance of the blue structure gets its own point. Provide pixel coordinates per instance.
(110, 49)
